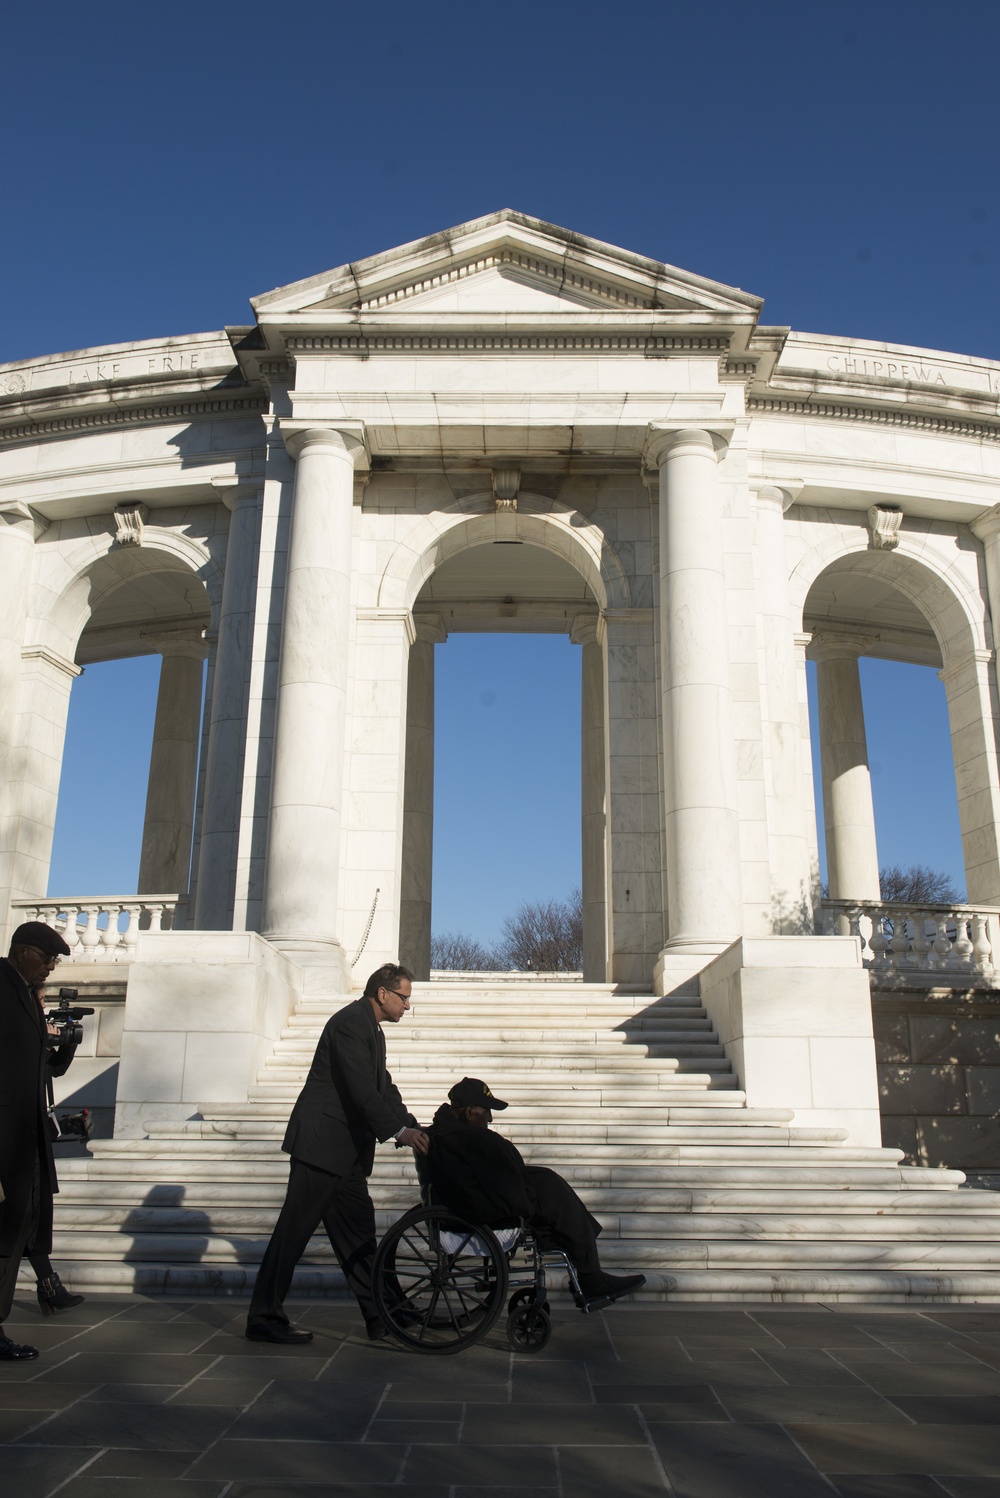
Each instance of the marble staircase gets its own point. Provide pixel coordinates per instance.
(632, 1098)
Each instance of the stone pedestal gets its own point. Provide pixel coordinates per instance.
(418, 804)
(307, 779)
(701, 826)
(165, 861)
(848, 814)
(227, 729)
(794, 1014)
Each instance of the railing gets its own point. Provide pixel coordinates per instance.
(923, 941)
(103, 930)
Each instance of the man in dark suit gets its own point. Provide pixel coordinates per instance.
(27, 1168)
(347, 1104)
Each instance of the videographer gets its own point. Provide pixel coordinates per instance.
(27, 1167)
(64, 1036)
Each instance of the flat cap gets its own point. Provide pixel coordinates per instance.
(37, 934)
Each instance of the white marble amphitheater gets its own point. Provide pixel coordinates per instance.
(507, 426)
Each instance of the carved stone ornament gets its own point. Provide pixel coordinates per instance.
(883, 526)
(130, 520)
(506, 482)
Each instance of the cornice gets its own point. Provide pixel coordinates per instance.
(503, 343)
(547, 271)
(53, 426)
(874, 415)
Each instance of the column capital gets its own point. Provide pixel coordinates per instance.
(835, 645)
(430, 629)
(190, 643)
(585, 629)
(774, 496)
(341, 438)
(987, 524)
(19, 516)
(663, 441)
(394, 618)
(235, 491)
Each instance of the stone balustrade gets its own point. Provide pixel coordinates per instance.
(919, 941)
(105, 929)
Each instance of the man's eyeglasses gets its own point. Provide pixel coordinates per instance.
(404, 996)
(53, 959)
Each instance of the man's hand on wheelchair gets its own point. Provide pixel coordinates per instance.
(415, 1138)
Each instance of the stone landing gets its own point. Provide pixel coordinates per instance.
(633, 1098)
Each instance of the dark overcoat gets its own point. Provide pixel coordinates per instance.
(24, 1133)
(349, 1100)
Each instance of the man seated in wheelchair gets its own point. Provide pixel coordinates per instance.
(482, 1178)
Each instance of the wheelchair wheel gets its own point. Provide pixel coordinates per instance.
(439, 1283)
(528, 1329)
(524, 1297)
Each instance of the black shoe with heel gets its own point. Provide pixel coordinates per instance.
(53, 1295)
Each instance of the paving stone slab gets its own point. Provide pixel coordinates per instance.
(153, 1465)
(807, 1404)
(893, 1485)
(596, 1472)
(29, 1473)
(736, 1461)
(482, 1466)
(552, 1424)
(133, 1367)
(139, 1487)
(306, 1412)
(142, 1427)
(951, 1410)
(957, 1450)
(42, 1396)
(273, 1462)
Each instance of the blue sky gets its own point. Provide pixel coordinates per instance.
(163, 164)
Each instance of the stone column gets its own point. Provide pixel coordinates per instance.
(705, 906)
(165, 860)
(17, 539)
(791, 902)
(593, 753)
(418, 801)
(227, 728)
(301, 878)
(848, 814)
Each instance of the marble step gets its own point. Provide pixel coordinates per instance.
(522, 1071)
(205, 1245)
(619, 1050)
(853, 1286)
(212, 1194)
(531, 1100)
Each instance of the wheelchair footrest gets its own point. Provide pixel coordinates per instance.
(597, 1304)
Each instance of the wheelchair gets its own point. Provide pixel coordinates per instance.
(441, 1283)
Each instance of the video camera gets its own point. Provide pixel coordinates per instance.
(67, 1016)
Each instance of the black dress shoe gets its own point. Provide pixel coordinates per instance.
(610, 1286)
(277, 1331)
(15, 1352)
(376, 1329)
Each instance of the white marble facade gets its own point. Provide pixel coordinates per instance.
(316, 501)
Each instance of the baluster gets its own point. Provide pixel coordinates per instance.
(71, 932)
(921, 944)
(940, 952)
(110, 938)
(879, 941)
(130, 936)
(155, 917)
(91, 936)
(900, 943)
(963, 945)
(982, 949)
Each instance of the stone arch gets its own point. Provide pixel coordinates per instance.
(951, 602)
(473, 522)
(950, 598)
(76, 577)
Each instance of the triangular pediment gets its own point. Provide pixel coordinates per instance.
(507, 263)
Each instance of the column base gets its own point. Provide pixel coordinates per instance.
(324, 962)
(682, 958)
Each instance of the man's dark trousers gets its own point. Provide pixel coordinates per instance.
(344, 1207)
(561, 1215)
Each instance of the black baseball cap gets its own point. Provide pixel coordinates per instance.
(37, 934)
(471, 1093)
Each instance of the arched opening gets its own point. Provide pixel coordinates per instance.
(133, 732)
(504, 778)
(897, 706)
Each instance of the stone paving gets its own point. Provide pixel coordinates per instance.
(143, 1398)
